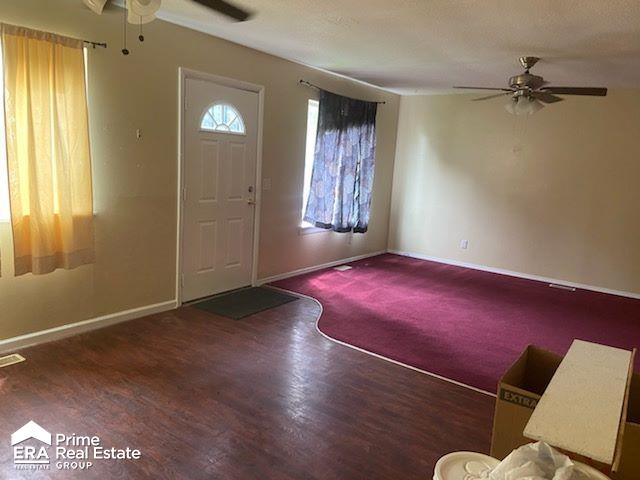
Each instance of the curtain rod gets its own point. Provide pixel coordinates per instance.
(95, 44)
(309, 84)
(88, 42)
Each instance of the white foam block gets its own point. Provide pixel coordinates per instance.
(342, 268)
(581, 408)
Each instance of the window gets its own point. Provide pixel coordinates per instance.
(339, 198)
(312, 130)
(5, 215)
(54, 182)
(222, 118)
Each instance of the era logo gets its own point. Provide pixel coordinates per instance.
(27, 454)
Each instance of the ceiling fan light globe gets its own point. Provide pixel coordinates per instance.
(535, 105)
(144, 8)
(135, 19)
(96, 5)
(522, 106)
(510, 106)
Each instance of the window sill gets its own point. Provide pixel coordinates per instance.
(311, 230)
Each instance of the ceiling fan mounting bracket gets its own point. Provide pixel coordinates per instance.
(528, 62)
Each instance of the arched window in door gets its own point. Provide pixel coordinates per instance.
(224, 118)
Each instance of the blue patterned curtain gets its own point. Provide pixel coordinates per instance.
(343, 164)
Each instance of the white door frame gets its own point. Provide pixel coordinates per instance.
(184, 74)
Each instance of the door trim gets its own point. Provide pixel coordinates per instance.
(184, 74)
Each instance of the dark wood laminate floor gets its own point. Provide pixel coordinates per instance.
(266, 397)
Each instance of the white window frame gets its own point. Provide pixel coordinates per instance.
(313, 105)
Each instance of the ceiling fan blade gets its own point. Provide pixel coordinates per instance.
(546, 97)
(225, 8)
(486, 88)
(495, 95)
(597, 92)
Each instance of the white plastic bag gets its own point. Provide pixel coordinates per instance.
(536, 461)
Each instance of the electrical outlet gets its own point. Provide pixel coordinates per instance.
(266, 184)
(464, 244)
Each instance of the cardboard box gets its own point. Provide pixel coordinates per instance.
(519, 391)
(629, 468)
(521, 388)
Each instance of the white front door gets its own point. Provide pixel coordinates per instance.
(220, 153)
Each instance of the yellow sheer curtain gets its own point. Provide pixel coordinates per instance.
(48, 152)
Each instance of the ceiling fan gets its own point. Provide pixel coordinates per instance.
(530, 92)
(220, 6)
(226, 8)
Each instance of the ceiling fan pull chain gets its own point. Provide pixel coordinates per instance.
(125, 50)
(141, 36)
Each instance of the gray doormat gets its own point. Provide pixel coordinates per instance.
(245, 302)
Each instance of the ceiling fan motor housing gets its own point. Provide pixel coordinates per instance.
(526, 81)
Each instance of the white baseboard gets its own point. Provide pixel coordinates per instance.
(314, 268)
(62, 331)
(511, 273)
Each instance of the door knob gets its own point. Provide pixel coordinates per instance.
(251, 201)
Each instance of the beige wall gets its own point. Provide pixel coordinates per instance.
(135, 180)
(555, 195)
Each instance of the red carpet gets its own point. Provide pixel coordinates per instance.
(459, 323)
